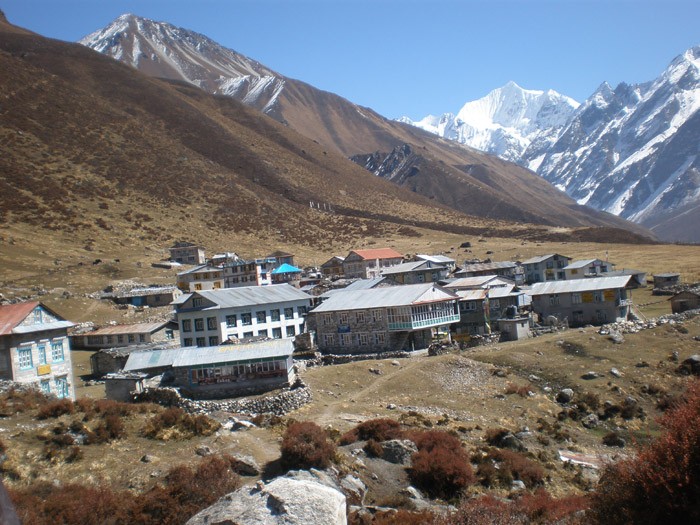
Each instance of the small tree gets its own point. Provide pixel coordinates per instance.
(305, 445)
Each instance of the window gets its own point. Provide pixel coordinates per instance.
(302, 309)
(199, 325)
(38, 317)
(260, 316)
(94, 340)
(550, 264)
(277, 333)
(142, 338)
(575, 298)
(211, 323)
(187, 341)
(345, 339)
(376, 316)
(246, 319)
(329, 339)
(120, 338)
(360, 317)
(45, 386)
(109, 339)
(169, 334)
(290, 331)
(61, 384)
(213, 340)
(274, 315)
(25, 357)
(247, 334)
(187, 325)
(263, 333)
(41, 347)
(197, 288)
(363, 339)
(554, 299)
(131, 338)
(343, 318)
(378, 338)
(201, 341)
(57, 351)
(289, 313)
(598, 296)
(327, 319)
(231, 321)
(197, 301)
(495, 304)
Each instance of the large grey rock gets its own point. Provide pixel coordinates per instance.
(565, 396)
(283, 501)
(354, 489)
(398, 451)
(246, 465)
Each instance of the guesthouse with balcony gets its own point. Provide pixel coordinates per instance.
(383, 319)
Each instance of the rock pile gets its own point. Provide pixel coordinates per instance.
(631, 327)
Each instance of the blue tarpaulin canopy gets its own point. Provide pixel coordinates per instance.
(286, 268)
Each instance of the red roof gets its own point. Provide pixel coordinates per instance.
(13, 314)
(379, 253)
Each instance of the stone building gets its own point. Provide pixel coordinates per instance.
(187, 253)
(383, 319)
(366, 264)
(34, 348)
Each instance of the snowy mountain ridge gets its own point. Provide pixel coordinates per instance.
(161, 49)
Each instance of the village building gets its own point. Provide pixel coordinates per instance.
(203, 277)
(34, 348)
(480, 309)
(221, 371)
(596, 300)
(366, 264)
(587, 268)
(666, 280)
(223, 258)
(545, 268)
(153, 296)
(281, 257)
(256, 272)
(638, 277)
(383, 319)
(685, 300)
(113, 360)
(286, 273)
(509, 269)
(187, 253)
(479, 282)
(126, 334)
(443, 260)
(333, 267)
(208, 318)
(416, 272)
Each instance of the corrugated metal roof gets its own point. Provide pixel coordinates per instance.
(408, 267)
(436, 258)
(247, 296)
(138, 328)
(365, 284)
(480, 267)
(232, 353)
(385, 297)
(540, 258)
(55, 325)
(579, 285)
(378, 253)
(147, 359)
(580, 264)
(13, 314)
(472, 295)
(480, 281)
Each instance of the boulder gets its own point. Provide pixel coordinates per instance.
(565, 395)
(590, 375)
(590, 421)
(398, 451)
(690, 365)
(203, 450)
(283, 501)
(511, 442)
(246, 465)
(354, 489)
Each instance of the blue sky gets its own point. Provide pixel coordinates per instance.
(415, 57)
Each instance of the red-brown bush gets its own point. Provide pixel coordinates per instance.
(662, 483)
(517, 466)
(441, 466)
(17, 400)
(380, 429)
(305, 445)
(55, 409)
(175, 422)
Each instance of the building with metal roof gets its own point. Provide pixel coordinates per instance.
(544, 268)
(126, 334)
(587, 268)
(34, 348)
(210, 317)
(416, 272)
(596, 300)
(383, 319)
(365, 264)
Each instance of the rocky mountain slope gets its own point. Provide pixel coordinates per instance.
(629, 151)
(634, 151)
(459, 177)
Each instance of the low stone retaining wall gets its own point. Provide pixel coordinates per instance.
(630, 327)
(276, 404)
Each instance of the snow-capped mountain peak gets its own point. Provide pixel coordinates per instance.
(505, 122)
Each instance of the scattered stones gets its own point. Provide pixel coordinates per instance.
(590, 375)
(616, 337)
(615, 372)
(147, 458)
(246, 465)
(395, 363)
(517, 485)
(511, 442)
(590, 421)
(613, 439)
(376, 371)
(391, 406)
(691, 365)
(203, 450)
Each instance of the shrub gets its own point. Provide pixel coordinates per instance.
(306, 445)
(517, 466)
(441, 466)
(18, 400)
(111, 428)
(176, 423)
(380, 429)
(521, 390)
(56, 408)
(662, 483)
(493, 436)
(373, 449)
